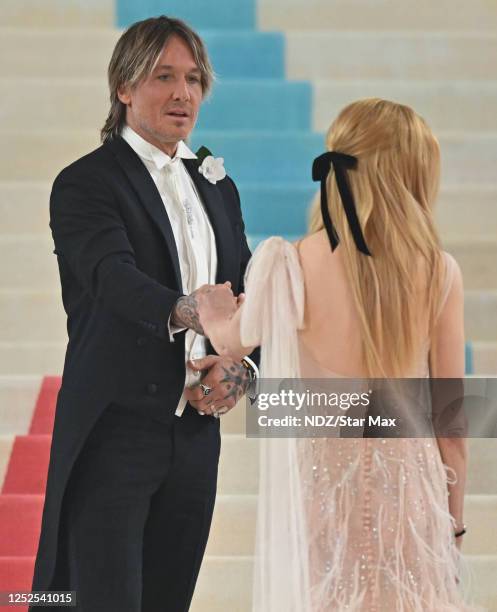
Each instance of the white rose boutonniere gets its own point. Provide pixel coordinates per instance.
(212, 168)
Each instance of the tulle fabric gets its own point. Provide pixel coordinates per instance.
(272, 313)
(354, 524)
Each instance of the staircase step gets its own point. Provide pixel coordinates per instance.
(238, 466)
(467, 157)
(237, 573)
(233, 528)
(442, 103)
(480, 315)
(57, 13)
(20, 307)
(227, 15)
(225, 582)
(443, 15)
(63, 103)
(485, 358)
(462, 211)
(391, 55)
(477, 261)
(87, 52)
(20, 524)
(37, 358)
(28, 465)
(17, 400)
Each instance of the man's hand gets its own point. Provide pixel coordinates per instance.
(217, 297)
(227, 379)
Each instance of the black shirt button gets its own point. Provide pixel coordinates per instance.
(141, 341)
(152, 388)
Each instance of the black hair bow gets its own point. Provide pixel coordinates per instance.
(320, 170)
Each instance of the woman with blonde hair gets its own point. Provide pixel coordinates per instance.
(358, 524)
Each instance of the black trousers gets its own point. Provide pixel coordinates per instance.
(137, 512)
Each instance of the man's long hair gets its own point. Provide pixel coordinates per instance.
(135, 55)
(397, 291)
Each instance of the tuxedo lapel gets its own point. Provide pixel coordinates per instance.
(213, 202)
(148, 194)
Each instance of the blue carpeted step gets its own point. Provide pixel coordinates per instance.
(278, 208)
(262, 104)
(201, 14)
(264, 157)
(244, 53)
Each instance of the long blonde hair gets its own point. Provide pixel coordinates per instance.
(394, 188)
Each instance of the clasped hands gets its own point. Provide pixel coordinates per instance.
(224, 380)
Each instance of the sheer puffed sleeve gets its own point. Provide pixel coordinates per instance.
(274, 307)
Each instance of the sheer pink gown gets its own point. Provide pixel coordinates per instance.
(362, 524)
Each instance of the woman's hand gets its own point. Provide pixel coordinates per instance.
(216, 307)
(209, 304)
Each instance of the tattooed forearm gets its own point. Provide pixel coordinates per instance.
(237, 379)
(185, 313)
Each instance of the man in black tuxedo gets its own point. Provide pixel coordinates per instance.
(142, 231)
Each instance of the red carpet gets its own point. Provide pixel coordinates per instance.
(21, 498)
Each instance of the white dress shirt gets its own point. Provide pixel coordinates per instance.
(193, 234)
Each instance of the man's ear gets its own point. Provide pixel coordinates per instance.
(123, 93)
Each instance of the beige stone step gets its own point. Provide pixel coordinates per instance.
(480, 313)
(485, 358)
(57, 13)
(310, 55)
(233, 529)
(63, 102)
(462, 211)
(60, 51)
(477, 260)
(239, 462)
(225, 583)
(468, 157)
(24, 207)
(444, 104)
(18, 396)
(37, 358)
(21, 309)
(32, 358)
(467, 212)
(377, 16)
(36, 265)
(391, 55)
(233, 525)
(239, 465)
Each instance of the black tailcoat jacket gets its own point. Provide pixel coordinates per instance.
(120, 277)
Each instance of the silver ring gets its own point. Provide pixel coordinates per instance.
(206, 390)
(221, 410)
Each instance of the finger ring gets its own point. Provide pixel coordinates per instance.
(221, 410)
(206, 390)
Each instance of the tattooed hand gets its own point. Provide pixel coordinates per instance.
(215, 298)
(228, 380)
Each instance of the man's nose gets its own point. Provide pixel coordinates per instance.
(181, 91)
